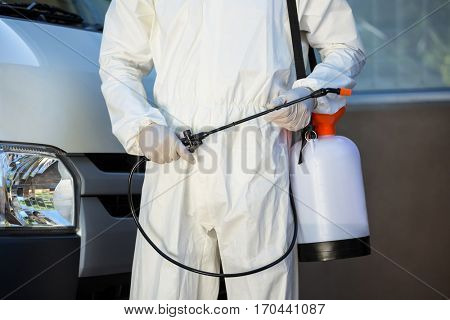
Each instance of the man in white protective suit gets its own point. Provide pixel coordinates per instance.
(218, 61)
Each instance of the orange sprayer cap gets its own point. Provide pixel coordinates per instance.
(325, 124)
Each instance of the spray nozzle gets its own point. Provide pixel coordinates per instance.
(345, 92)
(339, 91)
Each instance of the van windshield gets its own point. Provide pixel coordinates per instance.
(85, 14)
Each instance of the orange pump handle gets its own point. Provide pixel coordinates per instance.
(325, 124)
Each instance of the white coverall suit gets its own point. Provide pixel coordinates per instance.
(218, 61)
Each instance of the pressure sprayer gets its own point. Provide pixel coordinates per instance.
(327, 192)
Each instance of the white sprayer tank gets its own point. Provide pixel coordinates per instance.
(328, 193)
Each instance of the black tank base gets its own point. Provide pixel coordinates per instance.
(333, 250)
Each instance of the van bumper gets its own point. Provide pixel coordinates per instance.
(39, 266)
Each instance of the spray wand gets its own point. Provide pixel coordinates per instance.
(193, 141)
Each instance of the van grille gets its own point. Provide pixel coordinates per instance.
(115, 162)
(117, 205)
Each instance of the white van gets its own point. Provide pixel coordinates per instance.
(64, 225)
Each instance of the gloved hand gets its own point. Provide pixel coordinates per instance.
(295, 117)
(161, 145)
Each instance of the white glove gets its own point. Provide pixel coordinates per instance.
(295, 117)
(161, 145)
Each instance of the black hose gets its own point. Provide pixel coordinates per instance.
(205, 273)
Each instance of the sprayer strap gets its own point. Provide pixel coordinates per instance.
(298, 58)
(297, 42)
(296, 39)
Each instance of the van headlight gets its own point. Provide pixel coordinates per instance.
(38, 189)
